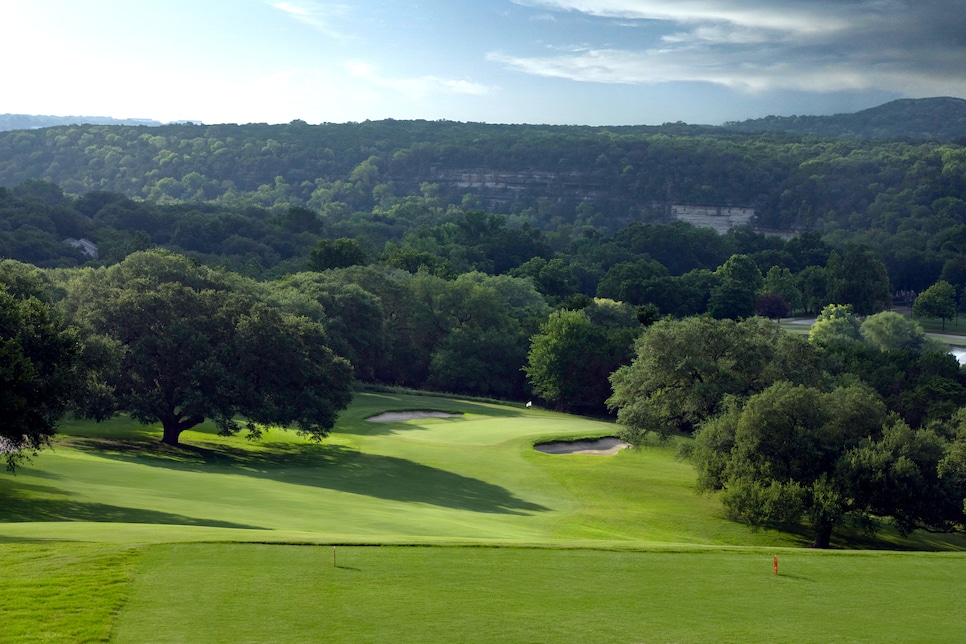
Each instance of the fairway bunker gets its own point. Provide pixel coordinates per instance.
(403, 416)
(606, 446)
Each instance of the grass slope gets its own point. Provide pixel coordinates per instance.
(473, 478)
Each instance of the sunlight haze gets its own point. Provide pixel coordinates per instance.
(595, 62)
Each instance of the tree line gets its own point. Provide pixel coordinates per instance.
(860, 423)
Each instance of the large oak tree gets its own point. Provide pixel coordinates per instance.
(195, 349)
(684, 370)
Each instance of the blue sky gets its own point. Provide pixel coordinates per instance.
(595, 62)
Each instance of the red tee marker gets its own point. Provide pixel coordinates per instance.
(776, 564)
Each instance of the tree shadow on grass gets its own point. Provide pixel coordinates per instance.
(332, 467)
(24, 502)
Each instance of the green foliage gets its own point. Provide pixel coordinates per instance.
(780, 454)
(890, 331)
(930, 118)
(339, 253)
(921, 387)
(734, 295)
(937, 301)
(193, 352)
(553, 278)
(901, 475)
(836, 323)
(354, 319)
(782, 282)
(684, 371)
(632, 282)
(39, 375)
(569, 361)
(859, 279)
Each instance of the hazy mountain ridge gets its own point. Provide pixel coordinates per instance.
(35, 122)
(941, 118)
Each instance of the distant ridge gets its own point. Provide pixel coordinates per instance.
(941, 118)
(32, 122)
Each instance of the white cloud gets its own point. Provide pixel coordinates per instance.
(909, 46)
(313, 14)
(417, 88)
(803, 17)
(659, 66)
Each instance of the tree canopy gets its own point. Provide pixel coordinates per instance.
(39, 374)
(790, 451)
(195, 349)
(937, 301)
(684, 370)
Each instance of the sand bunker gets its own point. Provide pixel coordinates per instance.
(402, 416)
(607, 446)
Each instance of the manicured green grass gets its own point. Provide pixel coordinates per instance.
(235, 593)
(593, 548)
(956, 326)
(474, 478)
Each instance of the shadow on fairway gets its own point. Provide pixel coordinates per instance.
(333, 467)
(23, 502)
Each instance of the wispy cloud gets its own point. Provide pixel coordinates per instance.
(802, 17)
(911, 46)
(420, 87)
(313, 14)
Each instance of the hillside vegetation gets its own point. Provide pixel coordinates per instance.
(545, 175)
(941, 118)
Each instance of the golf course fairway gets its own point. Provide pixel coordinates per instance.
(431, 529)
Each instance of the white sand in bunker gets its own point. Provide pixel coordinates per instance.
(607, 446)
(402, 416)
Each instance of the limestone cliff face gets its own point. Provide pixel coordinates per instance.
(721, 218)
(505, 187)
(498, 190)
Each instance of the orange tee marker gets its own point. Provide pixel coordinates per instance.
(776, 564)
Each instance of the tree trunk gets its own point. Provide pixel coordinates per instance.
(174, 424)
(171, 434)
(823, 535)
